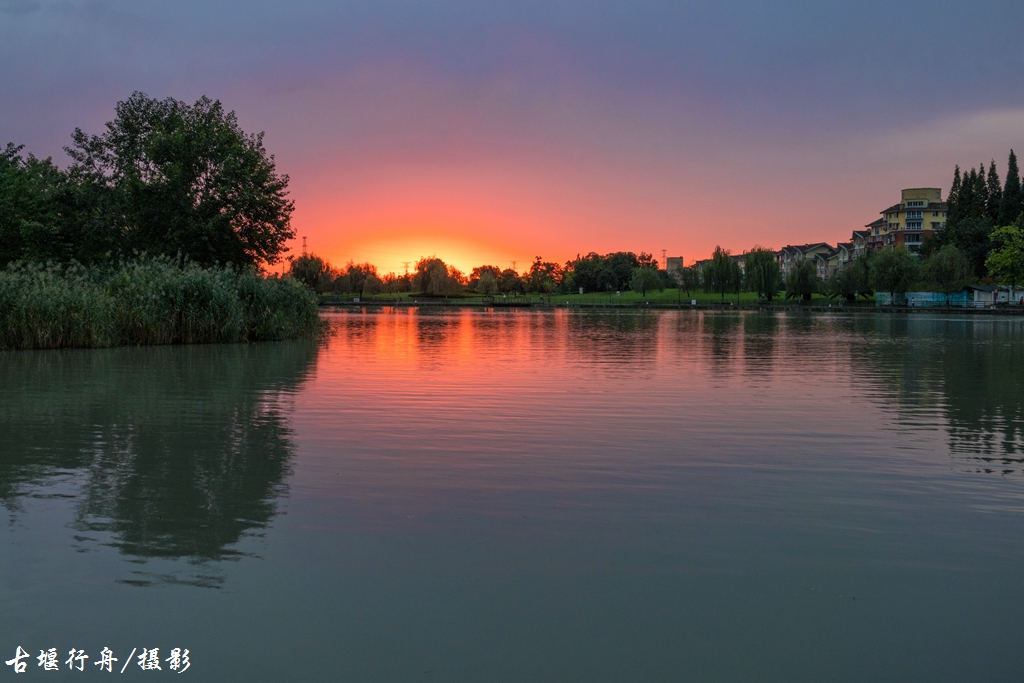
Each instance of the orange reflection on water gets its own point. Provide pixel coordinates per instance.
(413, 411)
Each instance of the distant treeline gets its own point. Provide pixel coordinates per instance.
(890, 270)
(594, 272)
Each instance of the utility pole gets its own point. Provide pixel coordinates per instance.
(514, 266)
(406, 264)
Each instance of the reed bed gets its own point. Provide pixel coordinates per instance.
(147, 301)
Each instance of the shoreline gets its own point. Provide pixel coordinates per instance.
(554, 305)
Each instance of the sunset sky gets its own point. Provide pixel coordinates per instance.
(493, 132)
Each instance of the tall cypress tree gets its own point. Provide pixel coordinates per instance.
(1012, 201)
(979, 202)
(995, 193)
(953, 200)
(966, 195)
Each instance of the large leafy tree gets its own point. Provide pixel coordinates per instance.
(511, 283)
(186, 179)
(586, 271)
(763, 273)
(620, 267)
(597, 273)
(544, 276)
(948, 270)
(1006, 261)
(645, 260)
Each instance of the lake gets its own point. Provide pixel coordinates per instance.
(471, 495)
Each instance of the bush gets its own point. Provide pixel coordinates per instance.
(148, 301)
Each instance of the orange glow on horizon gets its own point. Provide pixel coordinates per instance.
(464, 222)
(392, 251)
(472, 215)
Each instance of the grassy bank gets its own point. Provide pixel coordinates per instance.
(147, 301)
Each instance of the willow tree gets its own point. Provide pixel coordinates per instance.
(894, 271)
(721, 274)
(802, 280)
(763, 273)
(645, 278)
(948, 270)
(432, 277)
(312, 271)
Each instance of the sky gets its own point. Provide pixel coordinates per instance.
(495, 132)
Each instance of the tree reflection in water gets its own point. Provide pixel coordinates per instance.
(169, 452)
(968, 368)
(983, 396)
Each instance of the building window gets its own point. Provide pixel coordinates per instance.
(913, 225)
(913, 214)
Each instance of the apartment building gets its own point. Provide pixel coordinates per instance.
(859, 241)
(919, 214)
(792, 254)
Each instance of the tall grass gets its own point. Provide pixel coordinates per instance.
(147, 301)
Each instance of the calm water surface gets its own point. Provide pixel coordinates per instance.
(524, 496)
